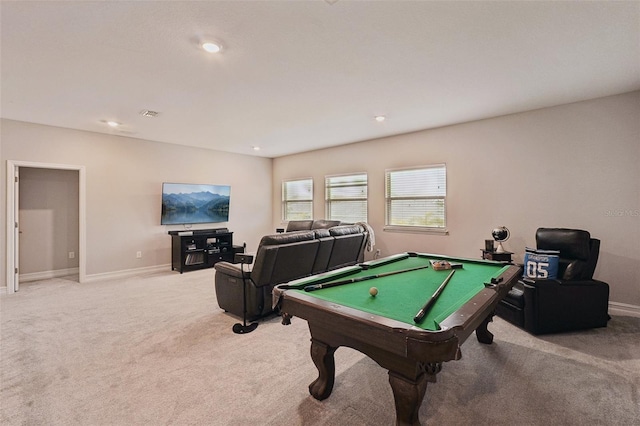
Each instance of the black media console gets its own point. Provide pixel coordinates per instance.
(201, 248)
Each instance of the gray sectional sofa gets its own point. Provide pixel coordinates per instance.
(284, 257)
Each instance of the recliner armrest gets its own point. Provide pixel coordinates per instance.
(235, 270)
(540, 282)
(580, 283)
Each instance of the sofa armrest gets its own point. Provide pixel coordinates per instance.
(236, 270)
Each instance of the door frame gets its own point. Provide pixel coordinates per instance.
(12, 217)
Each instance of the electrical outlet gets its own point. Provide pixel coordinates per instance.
(139, 255)
(72, 255)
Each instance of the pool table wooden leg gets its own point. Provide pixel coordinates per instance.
(322, 355)
(482, 332)
(408, 396)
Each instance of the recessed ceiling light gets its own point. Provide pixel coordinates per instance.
(113, 123)
(380, 118)
(211, 47)
(256, 148)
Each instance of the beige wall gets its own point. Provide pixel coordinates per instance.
(573, 166)
(123, 196)
(49, 221)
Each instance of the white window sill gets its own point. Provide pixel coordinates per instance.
(416, 230)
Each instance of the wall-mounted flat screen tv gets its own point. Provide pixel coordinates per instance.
(187, 203)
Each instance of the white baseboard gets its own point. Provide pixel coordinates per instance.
(623, 309)
(127, 273)
(46, 275)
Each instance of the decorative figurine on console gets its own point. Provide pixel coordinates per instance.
(500, 234)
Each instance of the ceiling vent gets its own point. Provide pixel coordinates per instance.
(149, 113)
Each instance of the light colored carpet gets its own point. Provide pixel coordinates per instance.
(157, 350)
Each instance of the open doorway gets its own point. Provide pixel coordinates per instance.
(49, 224)
(50, 251)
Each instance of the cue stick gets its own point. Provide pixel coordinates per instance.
(423, 311)
(313, 287)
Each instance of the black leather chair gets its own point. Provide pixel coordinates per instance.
(573, 301)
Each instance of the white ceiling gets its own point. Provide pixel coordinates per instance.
(299, 76)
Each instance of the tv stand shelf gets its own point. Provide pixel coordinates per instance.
(201, 248)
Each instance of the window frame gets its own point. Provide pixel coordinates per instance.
(286, 201)
(328, 201)
(440, 230)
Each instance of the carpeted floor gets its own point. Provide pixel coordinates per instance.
(157, 350)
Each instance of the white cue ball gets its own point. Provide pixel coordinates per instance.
(373, 291)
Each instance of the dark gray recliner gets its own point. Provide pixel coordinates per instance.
(573, 301)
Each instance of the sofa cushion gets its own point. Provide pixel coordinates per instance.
(287, 238)
(324, 224)
(575, 248)
(345, 230)
(304, 225)
(321, 233)
(283, 262)
(572, 270)
(299, 225)
(294, 261)
(348, 245)
(572, 243)
(325, 248)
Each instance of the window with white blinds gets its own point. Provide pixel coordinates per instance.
(346, 197)
(416, 197)
(297, 199)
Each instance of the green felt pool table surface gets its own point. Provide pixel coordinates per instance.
(400, 296)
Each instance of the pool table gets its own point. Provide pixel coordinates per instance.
(383, 327)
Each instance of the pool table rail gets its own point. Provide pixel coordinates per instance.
(473, 314)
